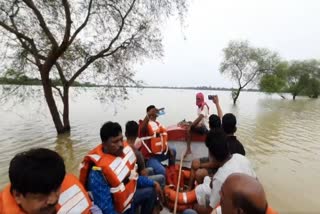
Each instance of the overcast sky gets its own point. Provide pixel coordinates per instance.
(192, 54)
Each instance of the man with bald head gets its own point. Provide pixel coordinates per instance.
(243, 194)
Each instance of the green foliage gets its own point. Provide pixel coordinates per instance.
(295, 77)
(271, 83)
(313, 89)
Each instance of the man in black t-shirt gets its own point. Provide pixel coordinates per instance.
(229, 125)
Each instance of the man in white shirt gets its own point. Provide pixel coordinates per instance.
(241, 193)
(229, 164)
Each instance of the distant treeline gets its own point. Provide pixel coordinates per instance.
(194, 88)
(24, 80)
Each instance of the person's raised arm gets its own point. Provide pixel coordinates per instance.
(144, 124)
(215, 100)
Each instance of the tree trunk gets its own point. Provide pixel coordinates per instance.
(66, 120)
(282, 96)
(236, 95)
(46, 83)
(294, 96)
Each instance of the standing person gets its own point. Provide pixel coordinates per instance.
(241, 193)
(229, 125)
(155, 147)
(132, 130)
(39, 185)
(109, 171)
(200, 124)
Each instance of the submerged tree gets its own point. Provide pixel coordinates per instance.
(303, 78)
(295, 77)
(245, 64)
(81, 39)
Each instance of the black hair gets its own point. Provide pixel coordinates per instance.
(229, 123)
(216, 142)
(214, 121)
(241, 201)
(150, 107)
(36, 171)
(132, 129)
(108, 130)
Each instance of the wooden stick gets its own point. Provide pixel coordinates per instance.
(178, 185)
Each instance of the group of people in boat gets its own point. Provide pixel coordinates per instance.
(125, 172)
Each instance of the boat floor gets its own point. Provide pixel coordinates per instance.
(198, 150)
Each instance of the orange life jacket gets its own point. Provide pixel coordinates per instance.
(271, 211)
(73, 198)
(120, 173)
(157, 140)
(183, 197)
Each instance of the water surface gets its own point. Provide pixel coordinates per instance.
(281, 137)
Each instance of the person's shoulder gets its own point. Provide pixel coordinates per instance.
(222, 172)
(70, 176)
(237, 140)
(243, 161)
(206, 109)
(233, 138)
(241, 157)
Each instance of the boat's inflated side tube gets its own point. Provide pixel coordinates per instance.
(183, 197)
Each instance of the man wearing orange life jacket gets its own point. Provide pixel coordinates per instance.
(154, 146)
(109, 171)
(132, 131)
(39, 185)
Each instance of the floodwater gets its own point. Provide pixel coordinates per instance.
(281, 137)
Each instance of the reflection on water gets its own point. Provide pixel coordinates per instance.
(280, 136)
(64, 146)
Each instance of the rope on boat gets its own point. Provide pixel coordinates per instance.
(178, 185)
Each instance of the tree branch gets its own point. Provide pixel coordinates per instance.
(13, 31)
(32, 62)
(251, 78)
(83, 24)
(9, 93)
(58, 89)
(123, 45)
(66, 37)
(123, 19)
(43, 24)
(33, 50)
(60, 71)
(104, 53)
(239, 78)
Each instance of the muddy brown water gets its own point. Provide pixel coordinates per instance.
(281, 137)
